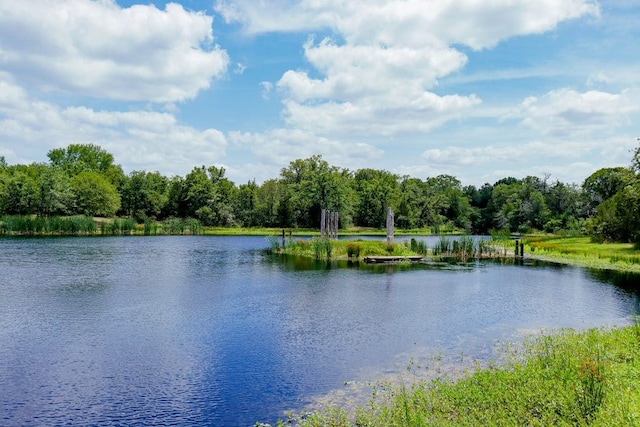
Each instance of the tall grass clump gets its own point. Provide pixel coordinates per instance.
(322, 248)
(118, 226)
(193, 226)
(487, 249)
(150, 227)
(173, 226)
(33, 225)
(418, 246)
(274, 243)
(467, 247)
(590, 393)
(444, 246)
(353, 250)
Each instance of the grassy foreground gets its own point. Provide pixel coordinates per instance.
(581, 251)
(564, 379)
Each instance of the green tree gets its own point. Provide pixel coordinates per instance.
(565, 203)
(246, 204)
(603, 185)
(95, 194)
(270, 198)
(312, 185)
(21, 189)
(144, 194)
(376, 190)
(413, 201)
(78, 158)
(448, 202)
(618, 218)
(208, 196)
(55, 195)
(176, 205)
(518, 205)
(480, 199)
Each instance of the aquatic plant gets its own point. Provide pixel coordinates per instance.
(34, 225)
(173, 226)
(443, 247)
(418, 246)
(194, 226)
(274, 243)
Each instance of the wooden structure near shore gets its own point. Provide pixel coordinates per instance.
(390, 225)
(390, 259)
(329, 221)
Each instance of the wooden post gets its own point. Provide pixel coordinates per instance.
(521, 250)
(517, 246)
(323, 222)
(283, 239)
(390, 225)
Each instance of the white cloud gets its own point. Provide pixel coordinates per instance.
(240, 68)
(280, 146)
(138, 139)
(380, 74)
(267, 87)
(564, 160)
(566, 112)
(409, 22)
(98, 49)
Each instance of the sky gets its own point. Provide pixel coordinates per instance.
(477, 89)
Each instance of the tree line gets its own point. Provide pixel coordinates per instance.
(83, 179)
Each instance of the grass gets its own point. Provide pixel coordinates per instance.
(462, 248)
(32, 225)
(581, 251)
(351, 231)
(564, 379)
(320, 248)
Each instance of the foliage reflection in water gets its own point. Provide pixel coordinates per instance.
(209, 331)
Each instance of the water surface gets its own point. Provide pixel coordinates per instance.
(210, 331)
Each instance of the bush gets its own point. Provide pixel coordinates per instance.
(353, 250)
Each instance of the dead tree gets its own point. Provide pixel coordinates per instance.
(390, 230)
(329, 221)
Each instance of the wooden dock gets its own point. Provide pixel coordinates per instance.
(391, 259)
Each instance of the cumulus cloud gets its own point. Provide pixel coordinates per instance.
(567, 112)
(379, 74)
(99, 49)
(564, 160)
(409, 22)
(280, 146)
(143, 140)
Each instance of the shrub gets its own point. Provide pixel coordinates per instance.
(353, 250)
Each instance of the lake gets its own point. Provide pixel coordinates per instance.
(211, 331)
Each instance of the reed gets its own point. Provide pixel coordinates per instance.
(173, 226)
(34, 225)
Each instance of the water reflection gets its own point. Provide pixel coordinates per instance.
(209, 331)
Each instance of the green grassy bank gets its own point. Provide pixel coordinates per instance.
(32, 225)
(582, 252)
(564, 379)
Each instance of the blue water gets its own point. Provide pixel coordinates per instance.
(210, 331)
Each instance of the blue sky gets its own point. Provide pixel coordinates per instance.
(478, 90)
